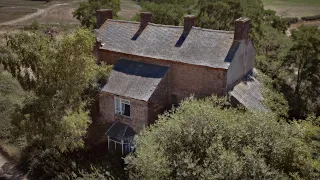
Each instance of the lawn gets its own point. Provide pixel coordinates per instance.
(294, 8)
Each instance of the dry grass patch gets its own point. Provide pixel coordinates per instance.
(293, 8)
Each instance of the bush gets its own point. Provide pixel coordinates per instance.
(201, 140)
(82, 164)
(310, 18)
(290, 20)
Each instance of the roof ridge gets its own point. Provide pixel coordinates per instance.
(172, 26)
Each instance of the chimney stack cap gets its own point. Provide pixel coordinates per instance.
(242, 29)
(103, 15)
(189, 21)
(243, 19)
(145, 18)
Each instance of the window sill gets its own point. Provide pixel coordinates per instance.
(123, 116)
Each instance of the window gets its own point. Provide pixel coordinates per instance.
(122, 107)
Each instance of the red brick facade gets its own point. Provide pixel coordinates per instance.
(139, 111)
(184, 79)
(181, 81)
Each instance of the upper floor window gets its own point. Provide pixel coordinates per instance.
(122, 106)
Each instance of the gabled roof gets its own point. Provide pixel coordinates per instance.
(249, 93)
(135, 80)
(199, 47)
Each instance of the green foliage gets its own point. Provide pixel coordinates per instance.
(273, 99)
(58, 72)
(310, 18)
(201, 140)
(83, 164)
(11, 98)
(86, 13)
(303, 67)
(271, 51)
(165, 13)
(219, 14)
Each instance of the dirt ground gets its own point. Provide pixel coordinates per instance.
(293, 8)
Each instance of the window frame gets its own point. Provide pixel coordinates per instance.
(119, 106)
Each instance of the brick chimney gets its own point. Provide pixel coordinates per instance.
(145, 18)
(242, 29)
(189, 21)
(102, 16)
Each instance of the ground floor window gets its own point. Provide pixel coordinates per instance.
(122, 106)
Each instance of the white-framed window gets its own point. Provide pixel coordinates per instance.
(122, 106)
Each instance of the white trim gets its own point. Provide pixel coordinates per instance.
(119, 105)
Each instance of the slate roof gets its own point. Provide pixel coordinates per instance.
(199, 47)
(249, 93)
(119, 131)
(134, 79)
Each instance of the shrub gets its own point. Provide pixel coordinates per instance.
(310, 18)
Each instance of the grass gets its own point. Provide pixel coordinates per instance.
(13, 9)
(294, 8)
(59, 15)
(10, 13)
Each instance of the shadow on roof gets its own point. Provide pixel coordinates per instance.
(182, 38)
(140, 69)
(138, 33)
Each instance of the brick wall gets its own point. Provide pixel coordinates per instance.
(184, 79)
(159, 101)
(138, 112)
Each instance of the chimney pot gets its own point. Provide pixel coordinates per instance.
(103, 15)
(189, 21)
(242, 29)
(145, 18)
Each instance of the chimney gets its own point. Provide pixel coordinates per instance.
(242, 29)
(145, 18)
(189, 21)
(102, 16)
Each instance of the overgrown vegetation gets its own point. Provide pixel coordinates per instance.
(60, 77)
(47, 86)
(208, 140)
(86, 13)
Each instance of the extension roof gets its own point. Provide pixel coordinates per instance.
(202, 47)
(119, 131)
(135, 80)
(249, 93)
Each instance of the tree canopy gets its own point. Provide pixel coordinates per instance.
(204, 139)
(303, 63)
(57, 72)
(86, 13)
(11, 98)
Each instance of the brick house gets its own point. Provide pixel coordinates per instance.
(156, 66)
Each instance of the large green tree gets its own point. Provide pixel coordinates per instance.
(204, 140)
(86, 13)
(219, 14)
(57, 72)
(303, 65)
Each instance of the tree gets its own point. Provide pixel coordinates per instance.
(303, 63)
(86, 13)
(11, 98)
(205, 140)
(165, 13)
(58, 72)
(219, 14)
